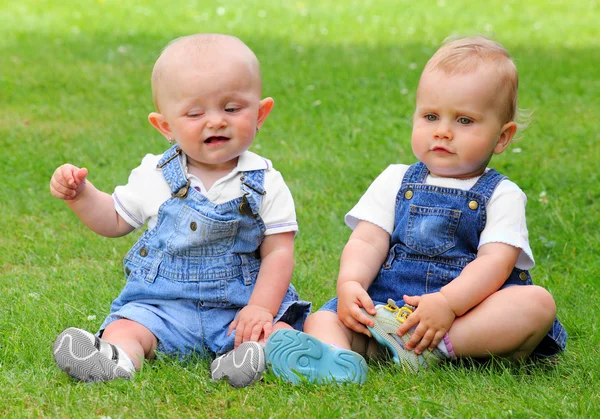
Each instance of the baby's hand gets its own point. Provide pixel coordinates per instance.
(351, 298)
(433, 318)
(251, 324)
(68, 181)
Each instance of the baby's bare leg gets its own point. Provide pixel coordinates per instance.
(136, 340)
(511, 322)
(327, 327)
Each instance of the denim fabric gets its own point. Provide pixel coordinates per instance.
(436, 235)
(188, 277)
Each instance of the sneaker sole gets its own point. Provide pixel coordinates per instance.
(78, 357)
(296, 357)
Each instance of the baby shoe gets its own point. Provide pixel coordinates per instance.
(241, 366)
(86, 357)
(387, 321)
(296, 356)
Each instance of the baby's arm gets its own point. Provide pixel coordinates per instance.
(256, 319)
(93, 207)
(362, 257)
(478, 280)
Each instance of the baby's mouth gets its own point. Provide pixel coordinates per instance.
(215, 140)
(439, 149)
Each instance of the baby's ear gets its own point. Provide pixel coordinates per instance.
(157, 120)
(506, 135)
(264, 109)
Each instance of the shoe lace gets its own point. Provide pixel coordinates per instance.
(402, 313)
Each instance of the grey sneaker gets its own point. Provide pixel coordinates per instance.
(387, 321)
(241, 366)
(88, 358)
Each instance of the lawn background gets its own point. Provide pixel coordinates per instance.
(74, 87)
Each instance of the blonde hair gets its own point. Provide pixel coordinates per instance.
(465, 55)
(195, 48)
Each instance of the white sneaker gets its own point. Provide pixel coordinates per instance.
(88, 358)
(241, 366)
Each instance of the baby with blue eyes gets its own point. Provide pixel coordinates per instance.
(437, 265)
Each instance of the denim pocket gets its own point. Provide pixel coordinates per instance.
(430, 230)
(198, 235)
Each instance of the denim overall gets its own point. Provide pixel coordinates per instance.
(436, 235)
(188, 277)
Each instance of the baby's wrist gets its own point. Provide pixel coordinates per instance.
(449, 303)
(345, 283)
(261, 307)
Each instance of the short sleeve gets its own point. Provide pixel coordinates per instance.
(139, 200)
(378, 204)
(277, 209)
(506, 222)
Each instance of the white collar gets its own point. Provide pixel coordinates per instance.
(252, 161)
(247, 161)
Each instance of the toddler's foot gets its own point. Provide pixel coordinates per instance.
(241, 366)
(88, 358)
(294, 356)
(387, 321)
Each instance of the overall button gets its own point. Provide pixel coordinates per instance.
(193, 226)
(523, 276)
(244, 207)
(127, 271)
(143, 252)
(473, 205)
(408, 194)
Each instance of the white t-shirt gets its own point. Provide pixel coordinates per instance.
(138, 201)
(505, 221)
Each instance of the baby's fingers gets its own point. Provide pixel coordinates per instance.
(352, 323)
(61, 190)
(360, 316)
(239, 335)
(232, 326)
(367, 303)
(436, 340)
(79, 175)
(425, 341)
(257, 331)
(411, 321)
(416, 337)
(267, 329)
(66, 180)
(65, 174)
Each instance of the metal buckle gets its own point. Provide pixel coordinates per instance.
(182, 192)
(242, 179)
(177, 153)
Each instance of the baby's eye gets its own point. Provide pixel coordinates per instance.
(195, 114)
(464, 121)
(431, 117)
(231, 109)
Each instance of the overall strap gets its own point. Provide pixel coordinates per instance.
(252, 183)
(487, 183)
(416, 173)
(173, 172)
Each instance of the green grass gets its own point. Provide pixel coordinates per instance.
(74, 86)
